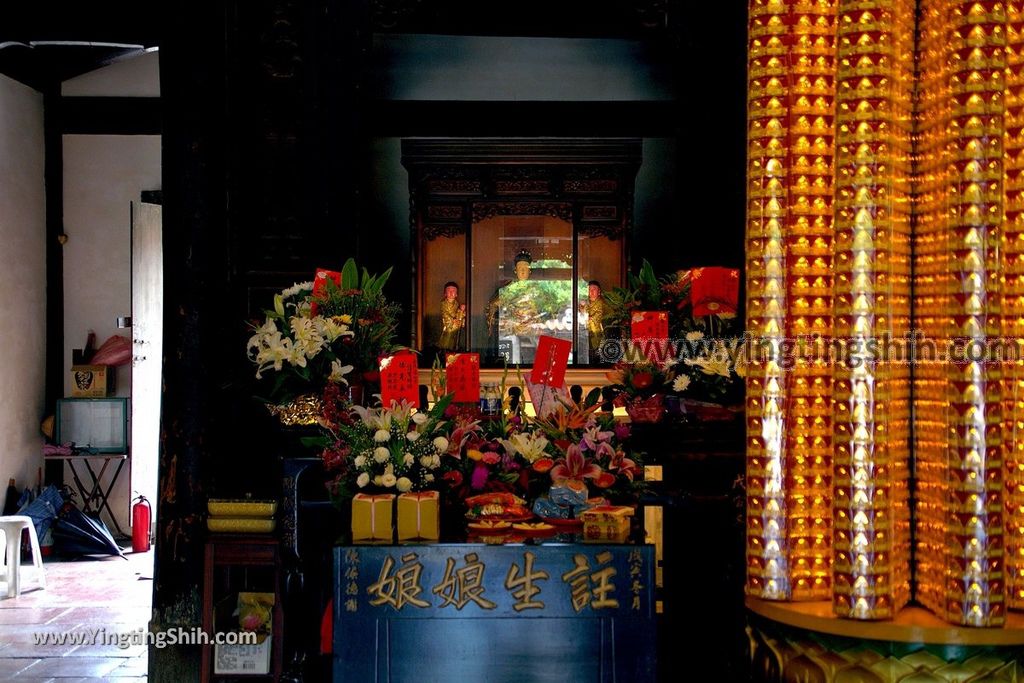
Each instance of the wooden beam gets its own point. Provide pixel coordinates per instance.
(561, 119)
(111, 115)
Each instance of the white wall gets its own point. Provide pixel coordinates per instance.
(136, 76)
(103, 174)
(22, 281)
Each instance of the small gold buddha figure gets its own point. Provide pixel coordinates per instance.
(453, 318)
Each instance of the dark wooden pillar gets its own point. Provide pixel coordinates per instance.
(196, 276)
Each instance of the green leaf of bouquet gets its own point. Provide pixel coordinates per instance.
(315, 441)
(350, 275)
(593, 396)
(440, 406)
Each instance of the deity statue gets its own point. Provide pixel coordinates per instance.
(512, 312)
(453, 318)
(594, 310)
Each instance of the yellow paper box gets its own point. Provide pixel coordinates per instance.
(372, 516)
(419, 516)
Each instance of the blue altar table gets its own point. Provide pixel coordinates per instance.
(560, 612)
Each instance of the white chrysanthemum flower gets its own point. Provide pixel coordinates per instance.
(296, 289)
(408, 459)
(403, 484)
(388, 480)
(362, 480)
(381, 454)
(441, 444)
(419, 418)
(426, 460)
(412, 436)
(680, 383)
(378, 480)
(435, 461)
(694, 336)
(428, 477)
(360, 460)
(381, 435)
(389, 468)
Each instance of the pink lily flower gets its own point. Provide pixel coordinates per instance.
(574, 467)
(593, 436)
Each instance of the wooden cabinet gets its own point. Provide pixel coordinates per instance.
(234, 563)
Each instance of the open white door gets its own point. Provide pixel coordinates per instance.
(147, 346)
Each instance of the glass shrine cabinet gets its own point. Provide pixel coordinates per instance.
(508, 237)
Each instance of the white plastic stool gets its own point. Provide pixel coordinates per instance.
(12, 527)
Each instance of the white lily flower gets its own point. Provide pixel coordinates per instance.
(531, 447)
(338, 372)
(420, 418)
(412, 436)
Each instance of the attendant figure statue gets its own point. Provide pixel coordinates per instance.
(594, 309)
(453, 318)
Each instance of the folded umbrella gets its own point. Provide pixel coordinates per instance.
(76, 533)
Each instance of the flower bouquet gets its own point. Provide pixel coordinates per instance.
(319, 337)
(385, 450)
(640, 387)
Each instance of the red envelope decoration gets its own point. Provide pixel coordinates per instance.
(462, 372)
(399, 379)
(550, 361)
(650, 328)
(320, 286)
(714, 291)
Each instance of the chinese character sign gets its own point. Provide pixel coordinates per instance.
(462, 372)
(471, 611)
(561, 580)
(399, 379)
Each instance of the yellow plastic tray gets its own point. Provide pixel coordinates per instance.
(221, 507)
(240, 525)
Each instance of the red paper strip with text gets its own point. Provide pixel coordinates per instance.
(649, 330)
(462, 372)
(714, 291)
(320, 286)
(550, 361)
(399, 379)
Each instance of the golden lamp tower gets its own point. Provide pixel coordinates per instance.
(871, 396)
(853, 158)
(791, 124)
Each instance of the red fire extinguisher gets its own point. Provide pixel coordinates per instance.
(141, 514)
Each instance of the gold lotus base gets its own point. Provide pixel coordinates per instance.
(304, 411)
(805, 642)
